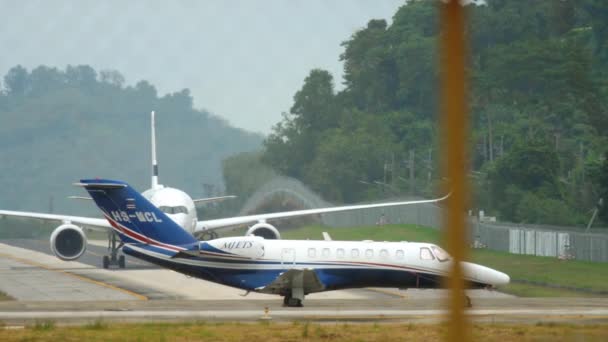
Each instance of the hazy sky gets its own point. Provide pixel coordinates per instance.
(242, 60)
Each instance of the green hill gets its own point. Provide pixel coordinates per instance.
(58, 128)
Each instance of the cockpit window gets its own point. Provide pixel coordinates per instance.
(425, 254)
(174, 210)
(440, 254)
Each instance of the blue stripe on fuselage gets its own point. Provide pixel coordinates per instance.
(252, 278)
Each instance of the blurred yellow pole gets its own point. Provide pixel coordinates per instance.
(455, 128)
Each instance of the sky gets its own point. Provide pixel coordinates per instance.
(242, 60)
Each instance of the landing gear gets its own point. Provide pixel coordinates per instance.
(468, 302)
(121, 261)
(113, 258)
(291, 302)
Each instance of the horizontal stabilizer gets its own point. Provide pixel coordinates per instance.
(80, 198)
(100, 185)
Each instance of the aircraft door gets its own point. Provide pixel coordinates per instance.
(288, 256)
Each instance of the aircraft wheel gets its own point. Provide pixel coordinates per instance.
(105, 261)
(121, 261)
(294, 303)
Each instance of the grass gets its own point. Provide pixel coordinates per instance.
(4, 296)
(549, 277)
(307, 332)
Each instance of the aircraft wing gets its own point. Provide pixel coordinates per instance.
(306, 279)
(212, 199)
(242, 220)
(88, 222)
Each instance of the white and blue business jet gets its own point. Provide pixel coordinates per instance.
(290, 268)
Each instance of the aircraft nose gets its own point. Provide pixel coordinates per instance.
(180, 219)
(485, 275)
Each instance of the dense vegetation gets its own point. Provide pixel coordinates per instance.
(58, 126)
(538, 100)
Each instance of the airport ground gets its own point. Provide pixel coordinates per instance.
(49, 293)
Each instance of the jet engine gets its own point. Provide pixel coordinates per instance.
(265, 230)
(68, 242)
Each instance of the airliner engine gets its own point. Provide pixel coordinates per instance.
(265, 230)
(68, 242)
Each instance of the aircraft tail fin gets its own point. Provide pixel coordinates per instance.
(134, 217)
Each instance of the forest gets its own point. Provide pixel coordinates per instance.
(538, 102)
(61, 125)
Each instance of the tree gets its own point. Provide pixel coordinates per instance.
(603, 185)
(44, 80)
(112, 77)
(313, 112)
(530, 166)
(82, 76)
(16, 81)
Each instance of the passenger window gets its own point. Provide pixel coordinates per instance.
(399, 254)
(312, 253)
(340, 253)
(425, 254)
(354, 253)
(369, 253)
(383, 253)
(325, 252)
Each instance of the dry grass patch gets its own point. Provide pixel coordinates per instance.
(301, 331)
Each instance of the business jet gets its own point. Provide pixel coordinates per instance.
(68, 241)
(289, 268)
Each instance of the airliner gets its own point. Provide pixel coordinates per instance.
(289, 268)
(68, 241)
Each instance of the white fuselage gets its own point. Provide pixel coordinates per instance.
(408, 257)
(174, 203)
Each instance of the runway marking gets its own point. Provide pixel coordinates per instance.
(100, 283)
(131, 261)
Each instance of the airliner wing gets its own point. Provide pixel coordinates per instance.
(242, 220)
(212, 199)
(88, 222)
(306, 279)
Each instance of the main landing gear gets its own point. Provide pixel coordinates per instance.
(113, 259)
(294, 298)
(291, 302)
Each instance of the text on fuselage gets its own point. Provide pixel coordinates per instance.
(141, 216)
(237, 244)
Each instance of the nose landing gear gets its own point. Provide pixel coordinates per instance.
(113, 259)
